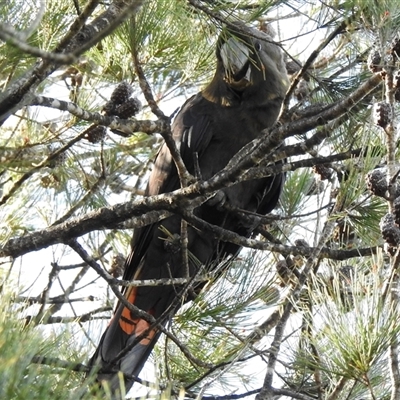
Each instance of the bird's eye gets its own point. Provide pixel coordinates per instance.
(257, 46)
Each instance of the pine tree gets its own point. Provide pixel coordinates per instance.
(310, 308)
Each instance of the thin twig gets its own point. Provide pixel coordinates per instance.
(144, 84)
(45, 296)
(310, 61)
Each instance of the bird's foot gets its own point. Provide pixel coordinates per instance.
(218, 200)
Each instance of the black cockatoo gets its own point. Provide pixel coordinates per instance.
(243, 98)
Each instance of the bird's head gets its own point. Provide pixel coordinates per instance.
(235, 56)
(248, 58)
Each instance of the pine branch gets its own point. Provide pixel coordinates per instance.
(147, 208)
(184, 176)
(90, 316)
(267, 392)
(246, 158)
(53, 156)
(10, 35)
(127, 126)
(17, 94)
(56, 362)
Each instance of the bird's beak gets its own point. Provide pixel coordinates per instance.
(235, 57)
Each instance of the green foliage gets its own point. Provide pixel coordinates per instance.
(22, 346)
(340, 329)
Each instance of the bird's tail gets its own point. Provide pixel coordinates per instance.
(124, 348)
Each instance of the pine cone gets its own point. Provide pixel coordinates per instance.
(382, 114)
(95, 133)
(344, 234)
(109, 108)
(77, 80)
(376, 182)
(121, 93)
(128, 109)
(374, 61)
(323, 171)
(390, 232)
(173, 244)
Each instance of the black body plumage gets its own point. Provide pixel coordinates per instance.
(243, 98)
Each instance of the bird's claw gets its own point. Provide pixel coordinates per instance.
(218, 200)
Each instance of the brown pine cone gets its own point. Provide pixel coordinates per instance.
(58, 160)
(109, 108)
(377, 182)
(390, 232)
(344, 234)
(374, 61)
(121, 93)
(128, 109)
(117, 265)
(382, 114)
(49, 181)
(95, 133)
